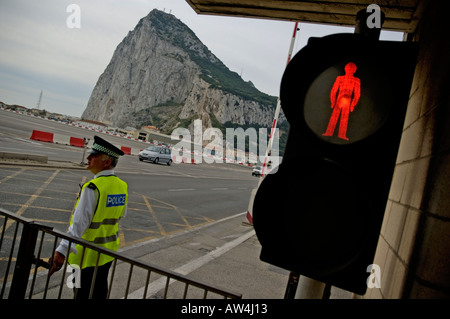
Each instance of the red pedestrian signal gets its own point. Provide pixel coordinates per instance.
(344, 97)
(320, 215)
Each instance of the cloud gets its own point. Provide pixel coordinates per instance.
(39, 52)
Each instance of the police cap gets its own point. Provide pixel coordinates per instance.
(104, 147)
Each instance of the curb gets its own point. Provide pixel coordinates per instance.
(24, 157)
(17, 159)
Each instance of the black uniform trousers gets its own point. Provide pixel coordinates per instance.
(100, 284)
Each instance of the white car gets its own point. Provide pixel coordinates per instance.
(257, 170)
(156, 154)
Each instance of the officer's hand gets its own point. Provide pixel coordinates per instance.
(58, 262)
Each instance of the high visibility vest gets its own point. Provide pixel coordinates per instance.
(104, 228)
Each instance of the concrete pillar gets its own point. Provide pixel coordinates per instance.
(309, 288)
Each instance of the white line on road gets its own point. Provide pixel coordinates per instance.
(29, 152)
(190, 230)
(190, 266)
(26, 141)
(181, 189)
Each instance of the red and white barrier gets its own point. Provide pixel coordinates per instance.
(79, 142)
(61, 139)
(126, 150)
(69, 140)
(76, 141)
(42, 136)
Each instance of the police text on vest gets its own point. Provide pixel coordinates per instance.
(115, 200)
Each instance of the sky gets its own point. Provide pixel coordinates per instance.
(44, 47)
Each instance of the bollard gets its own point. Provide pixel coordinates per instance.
(85, 142)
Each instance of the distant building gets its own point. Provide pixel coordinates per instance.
(144, 133)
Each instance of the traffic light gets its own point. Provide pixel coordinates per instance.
(320, 215)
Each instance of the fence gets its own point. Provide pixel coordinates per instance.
(24, 272)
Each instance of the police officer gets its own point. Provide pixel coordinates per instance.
(101, 203)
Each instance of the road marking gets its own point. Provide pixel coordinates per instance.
(174, 208)
(152, 212)
(26, 141)
(219, 188)
(37, 193)
(181, 189)
(28, 152)
(190, 266)
(12, 176)
(194, 228)
(34, 196)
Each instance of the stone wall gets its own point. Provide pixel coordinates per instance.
(414, 245)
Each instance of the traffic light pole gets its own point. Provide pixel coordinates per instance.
(308, 288)
(277, 110)
(272, 132)
(302, 287)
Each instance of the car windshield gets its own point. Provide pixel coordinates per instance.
(153, 149)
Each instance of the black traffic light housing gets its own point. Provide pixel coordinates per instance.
(320, 215)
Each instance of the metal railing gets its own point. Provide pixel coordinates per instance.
(24, 273)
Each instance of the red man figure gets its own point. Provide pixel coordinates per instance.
(348, 90)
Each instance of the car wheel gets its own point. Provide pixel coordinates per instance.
(169, 162)
(156, 160)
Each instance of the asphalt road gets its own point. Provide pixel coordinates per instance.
(19, 126)
(163, 199)
(183, 217)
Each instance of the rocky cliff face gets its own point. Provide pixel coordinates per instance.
(161, 74)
